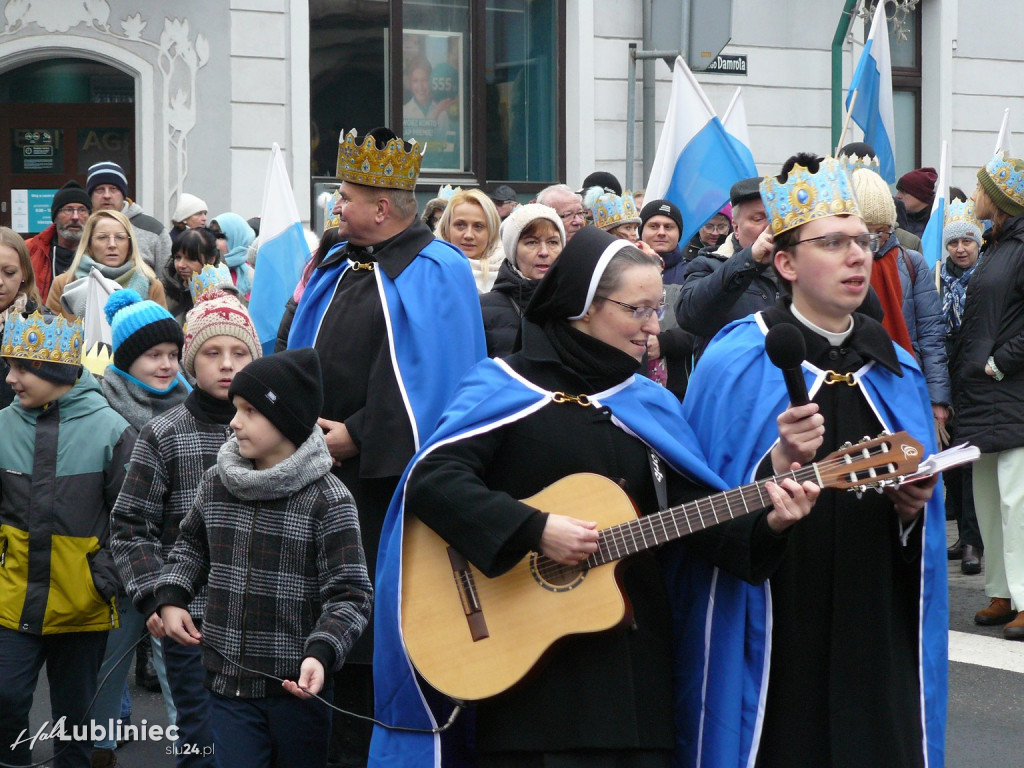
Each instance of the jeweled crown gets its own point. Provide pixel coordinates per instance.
(806, 196)
(961, 211)
(1007, 177)
(611, 210)
(853, 162)
(210, 278)
(390, 168)
(43, 338)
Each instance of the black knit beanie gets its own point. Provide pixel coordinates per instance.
(287, 388)
(71, 192)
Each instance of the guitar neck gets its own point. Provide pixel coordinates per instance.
(649, 531)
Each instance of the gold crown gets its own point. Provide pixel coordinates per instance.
(43, 338)
(390, 168)
(806, 196)
(612, 210)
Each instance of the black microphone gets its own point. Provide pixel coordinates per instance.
(785, 346)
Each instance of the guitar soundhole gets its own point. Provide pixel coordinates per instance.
(553, 576)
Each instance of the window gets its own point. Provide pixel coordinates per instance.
(905, 56)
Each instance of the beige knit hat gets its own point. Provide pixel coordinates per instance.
(875, 199)
(218, 313)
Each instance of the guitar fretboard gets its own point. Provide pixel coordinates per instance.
(628, 538)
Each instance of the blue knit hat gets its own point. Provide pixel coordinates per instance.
(106, 173)
(138, 324)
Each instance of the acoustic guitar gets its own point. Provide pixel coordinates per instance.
(473, 637)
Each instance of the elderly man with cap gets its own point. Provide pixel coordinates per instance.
(567, 204)
(53, 249)
(504, 199)
(107, 185)
(916, 190)
(395, 316)
(735, 280)
(661, 225)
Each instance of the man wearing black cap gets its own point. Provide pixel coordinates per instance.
(661, 225)
(735, 280)
(504, 198)
(53, 249)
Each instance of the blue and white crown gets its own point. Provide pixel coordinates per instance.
(1007, 176)
(960, 221)
(611, 210)
(332, 220)
(853, 162)
(806, 196)
(211, 278)
(43, 338)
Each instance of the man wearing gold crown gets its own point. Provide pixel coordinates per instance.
(62, 458)
(395, 315)
(840, 659)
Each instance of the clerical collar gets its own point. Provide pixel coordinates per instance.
(834, 339)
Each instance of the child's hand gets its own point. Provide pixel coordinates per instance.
(311, 678)
(155, 625)
(178, 625)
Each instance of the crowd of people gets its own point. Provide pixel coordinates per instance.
(248, 513)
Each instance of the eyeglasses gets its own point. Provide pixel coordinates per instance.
(837, 243)
(718, 229)
(573, 215)
(74, 210)
(642, 314)
(119, 237)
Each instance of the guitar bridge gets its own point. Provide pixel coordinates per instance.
(466, 585)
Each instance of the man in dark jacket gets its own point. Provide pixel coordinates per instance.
(916, 190)
(734, 280)
(661, 226)
(53, 249)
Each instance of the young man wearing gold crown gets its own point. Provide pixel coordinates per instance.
(62, 458)
(395, 315)
(840, 659)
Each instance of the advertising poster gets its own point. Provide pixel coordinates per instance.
(434, 99)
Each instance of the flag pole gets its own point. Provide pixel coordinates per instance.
(732, 103)
(846, 123)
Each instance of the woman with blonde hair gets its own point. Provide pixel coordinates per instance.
(470, 223)
(108, 243)
(18, 292)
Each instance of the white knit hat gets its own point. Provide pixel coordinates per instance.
(522, 217)
(875, 200)
(188, 205)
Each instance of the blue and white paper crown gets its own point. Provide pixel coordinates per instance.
(211, 278)
(611, 210)
(44, 339)
(960, 221)
(1007, 178)
(806, 196)
(853, 162)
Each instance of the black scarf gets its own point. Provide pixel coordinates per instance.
(216, 410)
(599, 365)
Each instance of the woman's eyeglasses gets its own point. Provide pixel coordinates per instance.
(118, 237)
(642, 314)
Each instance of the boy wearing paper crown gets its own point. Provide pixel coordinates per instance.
(173, 451)
(62, 458)
(840, 660)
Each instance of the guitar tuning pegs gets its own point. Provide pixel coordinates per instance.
(866, 439)
(847, 444)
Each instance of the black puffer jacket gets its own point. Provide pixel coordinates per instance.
(502, 308)
(991, 413)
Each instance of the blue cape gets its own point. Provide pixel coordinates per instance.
(490, 396)
(432, 303)
(732, 399)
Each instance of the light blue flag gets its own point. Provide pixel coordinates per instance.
(697, 160)
(282, 253)
(872, 84)
(931, 239)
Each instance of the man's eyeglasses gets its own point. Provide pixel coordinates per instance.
(118, 237)
(581, 214)
(837, 243)
(642, 314)
(73, 210)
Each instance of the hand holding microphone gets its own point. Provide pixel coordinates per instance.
(801, 427)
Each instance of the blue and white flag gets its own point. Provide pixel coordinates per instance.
(871, 108)
(1004, 141)
(735, 122)
(282, 253)
(696, 162)
(931, 238)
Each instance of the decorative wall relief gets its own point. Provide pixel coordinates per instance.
(177, 55)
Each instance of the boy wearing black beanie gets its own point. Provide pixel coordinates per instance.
(275, 536)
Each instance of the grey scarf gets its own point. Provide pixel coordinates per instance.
(309, 463)
(136, 404)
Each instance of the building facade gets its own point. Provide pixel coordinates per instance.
(189, 98)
